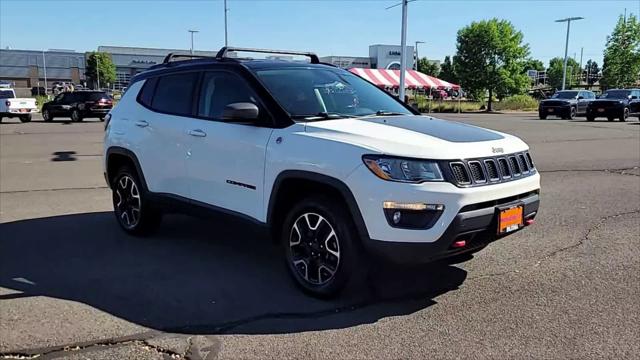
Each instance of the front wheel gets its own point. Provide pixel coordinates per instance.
(320, 245)
(46, 116)
(590, 118)
(135, 214)
(625, 114)
(75, 116)
(25, 118)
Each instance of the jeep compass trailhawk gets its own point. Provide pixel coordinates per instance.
(335, 167)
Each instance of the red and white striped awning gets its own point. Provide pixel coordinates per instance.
(413, 79)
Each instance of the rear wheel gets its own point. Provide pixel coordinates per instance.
(320, 245)
(543, 116)
(572, 113)
(131, 206)
(590, 118)
(25, 118)
(625, 114)
(75, 116)
(610, 118)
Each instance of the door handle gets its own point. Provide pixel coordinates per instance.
(141, 123)
(197, 132)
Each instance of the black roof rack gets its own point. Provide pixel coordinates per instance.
(175, 55)
(223, 53)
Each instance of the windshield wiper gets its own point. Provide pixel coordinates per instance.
(322, 116)
(384, 113)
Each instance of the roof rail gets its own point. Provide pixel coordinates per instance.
(175, 55)
(223, 53)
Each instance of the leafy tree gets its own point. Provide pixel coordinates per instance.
(428, 67)
(533, 64)
(592, 71)
(105, 68)
(490, 57)
(555, 70)
(621, 66)
(447, 71)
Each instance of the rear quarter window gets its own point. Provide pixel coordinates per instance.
(146, 93)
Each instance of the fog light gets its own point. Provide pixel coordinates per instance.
(397, 217)
(459, 244)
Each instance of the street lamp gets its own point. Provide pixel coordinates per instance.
(226, 10)
(192, 32)
(566, 46)
(403, 46)
(417, 57)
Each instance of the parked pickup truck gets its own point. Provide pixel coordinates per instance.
(11, 106)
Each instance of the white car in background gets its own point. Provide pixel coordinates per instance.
(11, 106)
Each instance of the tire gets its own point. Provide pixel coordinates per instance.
(101, 118)
(572, 113)
(625, 115)
(610, 118)
(131, 207)
(75, 115)
(542, 116)
(46, 115)
(25, 118)
(319, 267)
(590, 118)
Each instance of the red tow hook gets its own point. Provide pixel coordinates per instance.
(459, 244)
(529, 222)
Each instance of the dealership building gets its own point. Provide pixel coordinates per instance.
(29, 68)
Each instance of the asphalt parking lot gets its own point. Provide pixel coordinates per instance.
(73, 285)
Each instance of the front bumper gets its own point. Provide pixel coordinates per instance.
(477, 227)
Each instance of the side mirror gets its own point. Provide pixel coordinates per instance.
(633, 97)
(241, 112)
(580, 97)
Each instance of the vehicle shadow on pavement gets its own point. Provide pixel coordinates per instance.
(196, 277)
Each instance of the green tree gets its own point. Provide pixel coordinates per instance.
(592, 71)
(533, 64)
(447, 71)
(554, 72)
(490, 57)
(99, 63)
(428, 67)
(621, 67)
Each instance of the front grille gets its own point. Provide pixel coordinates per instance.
(460, 174)
(515, 168)
(554, 103)
(504, 168)
(490, 170)
(477, 173)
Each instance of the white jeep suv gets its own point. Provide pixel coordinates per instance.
(333, 166)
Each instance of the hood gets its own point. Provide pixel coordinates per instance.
(416, 136)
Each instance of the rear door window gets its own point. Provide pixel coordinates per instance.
(174, 93)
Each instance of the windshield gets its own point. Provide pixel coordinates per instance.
(565, 95)
(316, 94)
(616, 94)
(6, 94)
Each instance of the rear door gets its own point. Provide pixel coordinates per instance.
(583, 100)
(225, 160)
(158, 131)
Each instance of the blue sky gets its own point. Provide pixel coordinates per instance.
(328, 27)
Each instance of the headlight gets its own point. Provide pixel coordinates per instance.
(403, 170)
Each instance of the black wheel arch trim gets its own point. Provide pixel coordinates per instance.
(337, 184)
(117, 150)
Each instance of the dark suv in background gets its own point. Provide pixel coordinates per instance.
(78, 105)
(615, 103)
(566, 104)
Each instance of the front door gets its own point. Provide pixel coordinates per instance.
(226, 160)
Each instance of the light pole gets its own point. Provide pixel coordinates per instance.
(44, 67)
(403, 46)
(192, 32)
(566, 46)
(417, 57)
(226, 9)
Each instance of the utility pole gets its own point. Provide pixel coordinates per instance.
(192, 32)
(403, 51)
(581, 71)
(566, 47)
(97, 69)
(415, 65)
(226, 38)
(44, 67)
